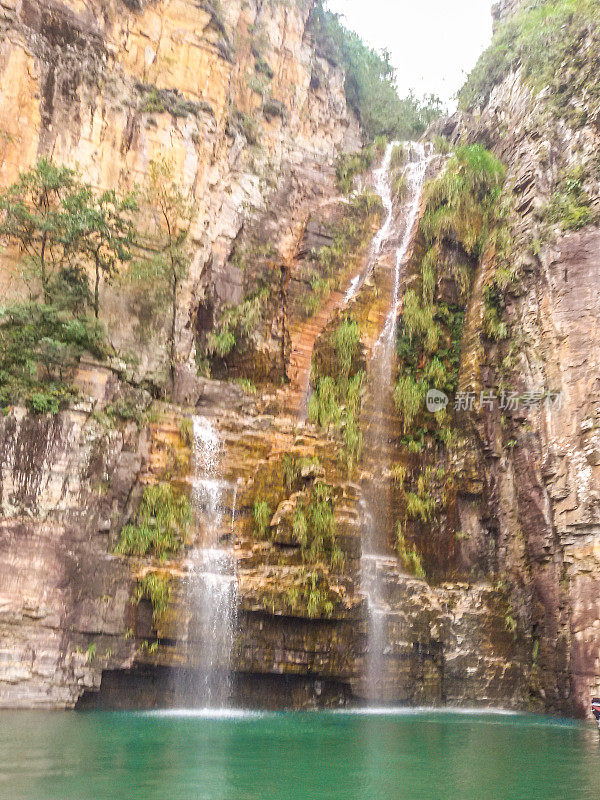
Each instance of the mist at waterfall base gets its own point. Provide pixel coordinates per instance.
(416, 755)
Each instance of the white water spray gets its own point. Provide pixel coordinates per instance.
(383, 187)
(213, 582)
(415, 174)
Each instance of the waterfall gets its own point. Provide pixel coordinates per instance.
(212, 585)
(415, 174)
(383, 187)
(378, 560)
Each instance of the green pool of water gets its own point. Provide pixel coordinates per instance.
(420, 755)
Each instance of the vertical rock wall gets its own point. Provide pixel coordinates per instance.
(109, 85)
(539, 465)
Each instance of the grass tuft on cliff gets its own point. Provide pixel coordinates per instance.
(461, 201)
(570, 205)
(337, 397)
(161, 524)
(408, 555)
(156, 589)
(315, 529)
(463, 213)
(462, 210)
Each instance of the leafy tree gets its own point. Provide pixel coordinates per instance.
(171, 208)
(98, 230)
(62, 227)
(69, 290)
(32, 218)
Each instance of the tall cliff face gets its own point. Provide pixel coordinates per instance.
(251, 120)
(110, 86)
(498, 507)
(233, 93)
(538, 463)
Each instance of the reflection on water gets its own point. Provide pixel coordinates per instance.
(404, 755)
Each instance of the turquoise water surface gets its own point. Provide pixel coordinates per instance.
(404, 755)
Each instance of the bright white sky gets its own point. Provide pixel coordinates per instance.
(434, 43)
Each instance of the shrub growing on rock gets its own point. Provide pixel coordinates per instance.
(160, 526)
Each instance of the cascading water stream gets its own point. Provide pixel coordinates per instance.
(383, 187)
(416, 177)
(378, 559)
(212, 582)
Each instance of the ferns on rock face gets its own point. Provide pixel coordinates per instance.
(398, 157)
(346, 341)
(323, 406)
(419, 321)
(570, 205)
(428, 275)
(336, 400)
(462, 209)
(314, 526)
(461, 202)
(408, 556)
(313, 591)
(409, 395)
(236, 323)
(156, 589)
(262, 519)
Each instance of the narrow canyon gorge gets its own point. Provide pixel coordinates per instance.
(243, 495)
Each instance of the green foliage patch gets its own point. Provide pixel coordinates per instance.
(262, 519)
(315, 529)
(408, 556)
(349, 165)
(155, 588)
(236, 323)
(544, 39)
(462, 210)
(312, 591)
(161, 524)
(337, 398)
(462, 200)
(570, 205)
(40, 346)
(63, 230)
